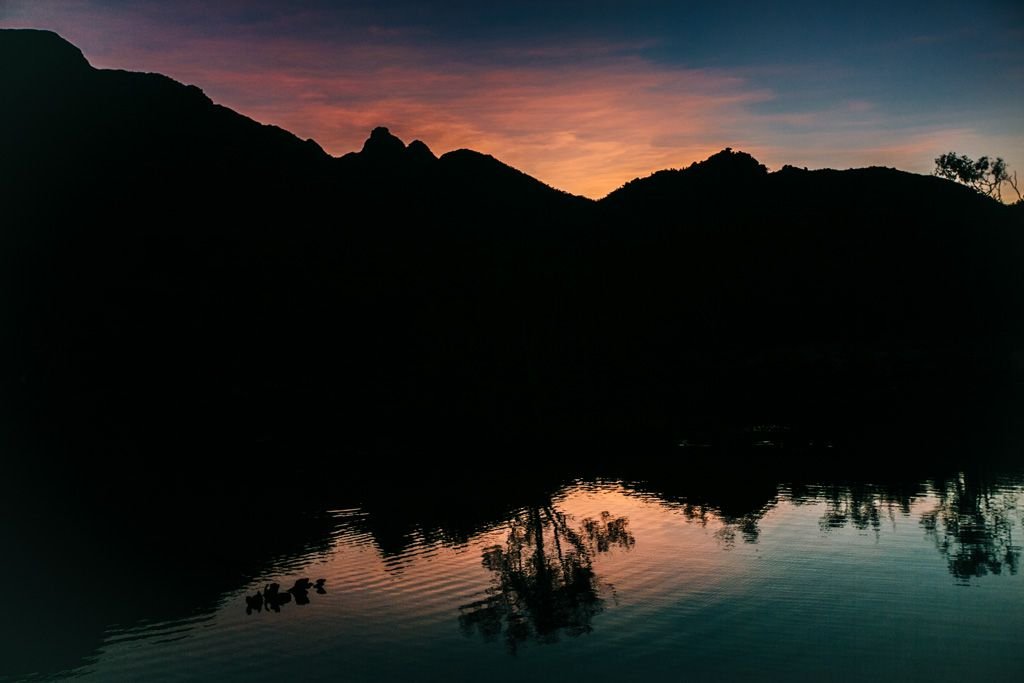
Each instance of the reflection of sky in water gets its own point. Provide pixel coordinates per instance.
(836, 583)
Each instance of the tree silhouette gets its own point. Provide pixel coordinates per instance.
(544, 583)
(985, 175)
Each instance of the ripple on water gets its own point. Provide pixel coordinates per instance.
(821, 580)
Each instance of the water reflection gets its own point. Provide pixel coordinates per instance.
(540, 574)
(972, 526)
(859, 506)
(734, 502)
(731, 527)
(543, 579)
(971, 518)
(272, 597)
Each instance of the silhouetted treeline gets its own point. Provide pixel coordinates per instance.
(173, 268)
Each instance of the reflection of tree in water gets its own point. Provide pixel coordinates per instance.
(543, 577)
(272, 597)
(972, 522)
(972, 525)
(731, 506)
(861, 506)
(744, 526)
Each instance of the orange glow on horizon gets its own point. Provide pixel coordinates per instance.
(583, 118)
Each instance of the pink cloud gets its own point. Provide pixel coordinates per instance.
(584, 118)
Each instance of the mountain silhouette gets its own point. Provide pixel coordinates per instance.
(383, 145)
(174, 268)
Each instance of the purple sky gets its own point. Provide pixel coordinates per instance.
(587, 95)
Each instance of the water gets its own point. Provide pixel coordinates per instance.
(674, 576)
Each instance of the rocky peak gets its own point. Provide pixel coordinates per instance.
(418, 151)
(731, 163)
(382, 144)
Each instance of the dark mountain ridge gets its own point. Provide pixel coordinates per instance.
(173, 268)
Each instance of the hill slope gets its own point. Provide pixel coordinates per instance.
(173, 268)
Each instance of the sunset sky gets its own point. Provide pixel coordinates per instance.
(586, 95)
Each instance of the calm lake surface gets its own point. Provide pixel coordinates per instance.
(593, 579)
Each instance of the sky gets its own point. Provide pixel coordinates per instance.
(586, 95)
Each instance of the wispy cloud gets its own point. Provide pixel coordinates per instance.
(584, 116)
